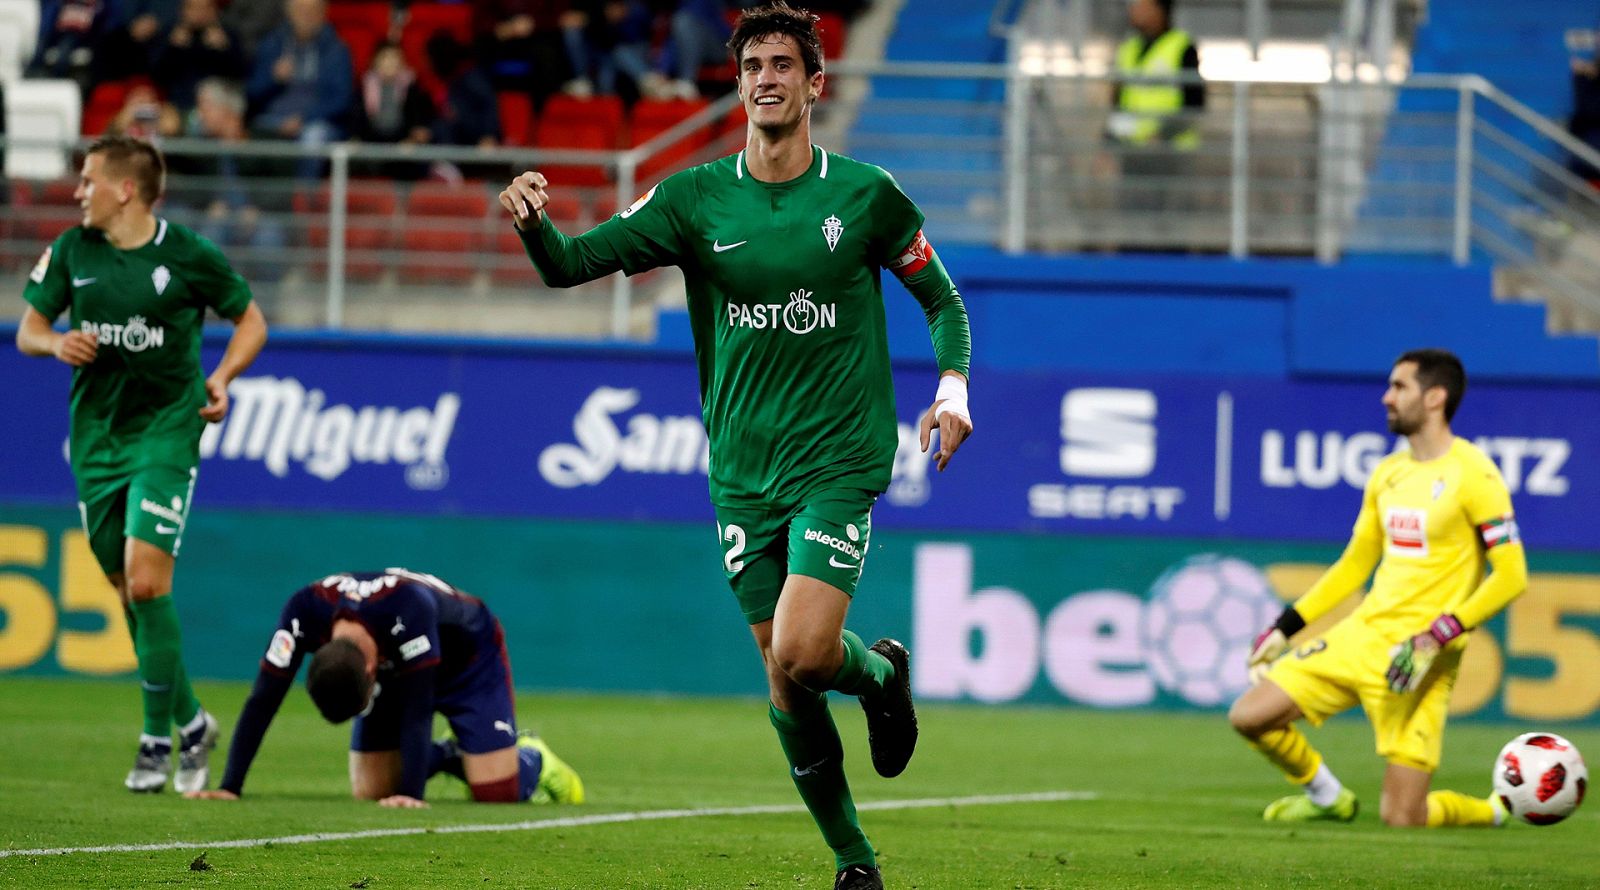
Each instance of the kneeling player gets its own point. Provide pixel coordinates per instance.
(391, 648)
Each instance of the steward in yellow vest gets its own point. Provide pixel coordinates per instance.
(1155, 113)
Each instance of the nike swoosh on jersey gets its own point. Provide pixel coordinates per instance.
(166, 529)
(719, 247)
(81, 282)
(834, 561)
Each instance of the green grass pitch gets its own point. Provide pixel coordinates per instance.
(1174, 802)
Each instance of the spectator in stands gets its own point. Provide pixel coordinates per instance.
(235, 196)
(700, 33)
(531, 46)
(1153, 113)
(303, 87)
(471, 113)
(131, 49)
(198, 47)
(1155, 125)
(144, 115)
(71, 33)
(253, 20)
(1585, 123)
(618, 42)
(393, 108)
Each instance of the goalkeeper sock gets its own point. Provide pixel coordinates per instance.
(810, 741)
(863, 672)
(159, 645)
(1454, 808)
(1324, 787)
(1290, 751)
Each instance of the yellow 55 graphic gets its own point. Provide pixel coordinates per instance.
(1534, 630)
(31, 613)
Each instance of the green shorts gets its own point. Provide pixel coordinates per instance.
(151, 505)
(824, 538)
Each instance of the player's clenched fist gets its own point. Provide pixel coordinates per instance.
(1273, 642)
(76, 348)
(525, 198)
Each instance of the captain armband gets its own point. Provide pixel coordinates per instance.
(1499, 530)
(913, 258)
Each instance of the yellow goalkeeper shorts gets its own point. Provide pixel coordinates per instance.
(1347, 666)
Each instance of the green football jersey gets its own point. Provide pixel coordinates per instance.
(786, 306)
(138, 402)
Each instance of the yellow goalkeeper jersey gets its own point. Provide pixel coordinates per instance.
(1434, 523)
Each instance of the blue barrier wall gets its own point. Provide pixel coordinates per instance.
(1215, 315)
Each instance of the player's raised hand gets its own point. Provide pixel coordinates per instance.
(403, 802)
(210, 794)
(525, 198)
(77, 348)
(216, 406)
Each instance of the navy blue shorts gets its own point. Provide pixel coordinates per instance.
(477, 704)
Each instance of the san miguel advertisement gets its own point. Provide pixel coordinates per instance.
(1105, 541)
(584, 434)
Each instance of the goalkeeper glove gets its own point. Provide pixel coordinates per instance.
(1273, 642)
(1410, 659)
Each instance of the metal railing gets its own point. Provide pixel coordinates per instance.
(993, 154)
(391, 237)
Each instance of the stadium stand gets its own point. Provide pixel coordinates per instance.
(41, 109)
(19, 28)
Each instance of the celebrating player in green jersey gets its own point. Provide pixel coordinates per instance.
(137, 288)
(781, 248)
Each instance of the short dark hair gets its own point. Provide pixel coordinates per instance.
(1439, 367)
(778, 19)
(136, 159)
(338, 681)
(1166, 7)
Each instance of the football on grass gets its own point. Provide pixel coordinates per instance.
(1540, 778)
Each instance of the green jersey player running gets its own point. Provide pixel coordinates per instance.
(781, 248)
(137, 288)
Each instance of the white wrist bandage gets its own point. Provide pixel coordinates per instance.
(952, 398)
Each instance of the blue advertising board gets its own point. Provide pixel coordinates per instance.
(466, 429)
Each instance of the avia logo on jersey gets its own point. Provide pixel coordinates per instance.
(135, 336)
(801, 315)
(278, 420)
(848, 548)
(1408, 531)
(1106, 433)
(608, 440)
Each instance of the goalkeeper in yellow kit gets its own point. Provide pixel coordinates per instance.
(1433, 519)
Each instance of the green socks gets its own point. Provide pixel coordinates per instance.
(816, 763)
(159, 644)
(864, 672)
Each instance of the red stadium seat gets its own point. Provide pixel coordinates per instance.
(831, 29)
(362, 25)
(516, 118)
(369, 227)
(654, 117)
(568, 122)
(105, 101)
(51, 210)
(424, 20)
(445, 231)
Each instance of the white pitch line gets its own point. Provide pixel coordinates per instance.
(563, 822)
